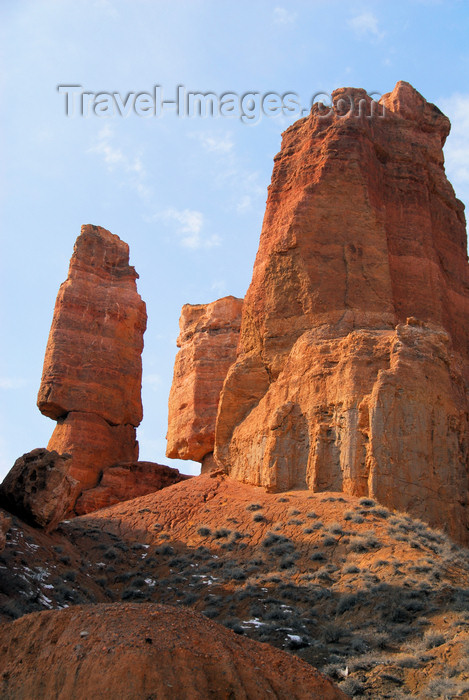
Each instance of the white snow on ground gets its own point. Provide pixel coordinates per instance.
(294, 637)
(255, 622)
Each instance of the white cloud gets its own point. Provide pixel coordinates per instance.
(456, 148)
(129, 166)
(365, 25)
(8, 383)
(231, 174)
(216, 144)
(283, 16)
(189, 228)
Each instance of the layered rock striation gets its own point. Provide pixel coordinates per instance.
(208, 339)
(352, 365)
(91, 382)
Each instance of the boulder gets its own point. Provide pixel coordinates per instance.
(5, 523)
(39, 489)
(125, 481)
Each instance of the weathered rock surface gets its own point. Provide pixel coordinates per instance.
(94, 445)
(91, 382)
(126, 481)
(331, 388)
(379, 413)
(208, 339)
(93, 356)
(38, 488)
(130, 651)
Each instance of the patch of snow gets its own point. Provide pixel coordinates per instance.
(294, 637)
(255, 622)
(206, 579)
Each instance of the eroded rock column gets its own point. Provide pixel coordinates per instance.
(91, 381)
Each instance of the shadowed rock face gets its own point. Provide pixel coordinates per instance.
(208, 339)
(5, 523)
(352, 365)
(39, 489)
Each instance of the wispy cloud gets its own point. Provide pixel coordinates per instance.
(283, 16)
(366, 26)
(456, 149)
(190, 228)
(221, 144)
(130, 167)
(232, 175)
(8, 383)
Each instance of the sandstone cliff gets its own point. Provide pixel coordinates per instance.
(208, 339)
(352, 365)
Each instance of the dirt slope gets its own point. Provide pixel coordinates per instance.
(131, 651)
(376, 599)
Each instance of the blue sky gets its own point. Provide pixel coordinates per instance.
(187, 194)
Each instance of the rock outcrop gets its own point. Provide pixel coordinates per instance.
(208, 339)
(5, 523)
(352, 366)
(39, 489)
(129, 651)
(91, 382)
(126, 481)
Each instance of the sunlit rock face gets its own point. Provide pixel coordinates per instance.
(208, 339)
(91, 381)
(352, 364)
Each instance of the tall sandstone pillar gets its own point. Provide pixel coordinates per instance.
(91, 381)
(352, 366)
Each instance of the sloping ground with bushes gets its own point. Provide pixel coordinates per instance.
(374, 598)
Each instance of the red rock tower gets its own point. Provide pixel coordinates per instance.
(91, 382)
(352, 365)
